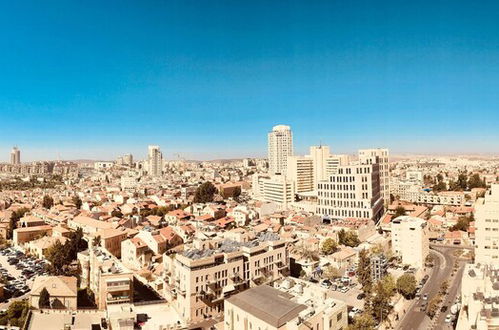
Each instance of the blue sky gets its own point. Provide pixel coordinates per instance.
(208, 79)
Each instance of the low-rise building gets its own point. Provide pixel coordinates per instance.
(410, 240)
(62, 291)
(291, 305)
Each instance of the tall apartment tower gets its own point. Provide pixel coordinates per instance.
(320, 155)
(383, 158)
(15, 156)
(487, 227)
(280, 146)
(154, 161)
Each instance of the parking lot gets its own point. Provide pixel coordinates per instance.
(19, 271)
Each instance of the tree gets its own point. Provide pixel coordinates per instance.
(440, 186)
(47, 202)
(117, 213)
(329, 246)
(382, 295)
(14, 218)
(364, 271)
(399, 211)
(348, 238)
(364, 321)
(44, 301)
(17, 312)
(331, 273)
(475, 182)
(433, 305)
(444, 287)
(77, 202)
(463, 224)
(96, 241)
(205, 192)
(406, 285)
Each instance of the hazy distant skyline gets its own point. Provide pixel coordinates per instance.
(208, 80)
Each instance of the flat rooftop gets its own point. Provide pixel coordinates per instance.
(273, 306)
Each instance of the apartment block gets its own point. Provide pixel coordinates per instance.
(280, 147)
(410, 240)
(200, 279)
(104, 274)
(487, 227)
(277, 188)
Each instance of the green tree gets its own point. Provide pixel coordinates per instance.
(406, 285)
(15, 217)
(364, 321)
(348, 238)
(47, 202)
(17, 312)
(399, 211)
(475, 182)
(463, 223)
(77, 202)
(117, 213)
(444, 287)
(331, 273)
(383, 292)
(329, 246)
(96, 241)
(440, 186)
(205, 192)
(433, 305)
(364, 271)
(44, 301)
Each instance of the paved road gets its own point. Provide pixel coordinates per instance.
(454, 291)
(443, 263)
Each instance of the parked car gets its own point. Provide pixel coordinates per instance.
(448, 318)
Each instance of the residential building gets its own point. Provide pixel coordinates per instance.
(15, 156)
(319, 156)
(154, 161)
(104, 274)
(280, 147)
(290, 305)
(479, 297)
(202, 278)
(487, 227)
(410, 240)
(379, 266)
(62, 291)
(27, 234)
(300, 170)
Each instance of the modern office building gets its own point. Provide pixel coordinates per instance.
(410, 240)
(319, 155)
(383, 158)
(280, 147)
(276, 188)
(352, 192)
(15, 156)
(487, 227)
(154, 161)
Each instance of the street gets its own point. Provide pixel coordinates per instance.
(442, 269)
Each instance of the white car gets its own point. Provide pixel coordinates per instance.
(448, 318)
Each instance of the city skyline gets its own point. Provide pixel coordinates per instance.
(416, 78)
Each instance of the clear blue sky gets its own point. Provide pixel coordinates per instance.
(208, 79)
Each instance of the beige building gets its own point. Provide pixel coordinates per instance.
(89, 225)
(62, 290)
(291, 305)
(383, 159)
(111, 240)
(202, 278)
(353, 192)
(154, 161)
(479, 298)
(280, 147)
(300, 170)
(104, 274)
(487, 227)
(410, 240)
(277, 188)
(135, 253)
(27, 234)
